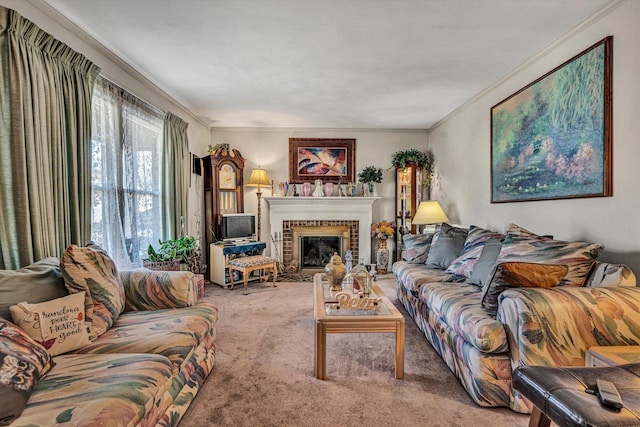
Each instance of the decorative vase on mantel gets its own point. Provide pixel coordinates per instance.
(382, 257)
(372, 189)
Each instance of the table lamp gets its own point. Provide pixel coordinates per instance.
(429, 212)
(258, 179)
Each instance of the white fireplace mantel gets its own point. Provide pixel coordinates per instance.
(325, 208)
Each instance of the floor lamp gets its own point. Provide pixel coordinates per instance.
(258, 179)
(429, 212)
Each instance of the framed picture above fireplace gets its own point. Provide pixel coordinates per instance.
(331, 160)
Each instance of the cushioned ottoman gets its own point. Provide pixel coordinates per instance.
(251, 263)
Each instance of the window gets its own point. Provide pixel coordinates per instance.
(126, 163)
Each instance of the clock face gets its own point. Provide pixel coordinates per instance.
(227, 177)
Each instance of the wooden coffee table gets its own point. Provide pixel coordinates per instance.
(328, 320)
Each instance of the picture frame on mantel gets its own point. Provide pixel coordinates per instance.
(552, 139)
(328, 159)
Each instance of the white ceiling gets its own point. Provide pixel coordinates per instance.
(390, 64)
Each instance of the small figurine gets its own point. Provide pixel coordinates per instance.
(318, 191)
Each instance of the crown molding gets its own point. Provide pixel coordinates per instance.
(597, 16)
(312, 129)
(83, 37)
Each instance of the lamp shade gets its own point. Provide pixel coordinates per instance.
(258, 178)
(429, 212)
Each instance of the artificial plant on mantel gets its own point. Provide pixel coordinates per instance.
(401, 159)
(370, 175)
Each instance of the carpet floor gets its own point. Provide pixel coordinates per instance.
(264, 376)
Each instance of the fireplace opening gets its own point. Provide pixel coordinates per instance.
(316, 251)
(313, 246)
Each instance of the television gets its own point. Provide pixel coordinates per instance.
(239, 226)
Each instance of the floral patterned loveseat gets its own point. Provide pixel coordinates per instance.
(489, 302)
(141, 345)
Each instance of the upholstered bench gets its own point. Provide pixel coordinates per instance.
(567, 396)
(250, 263)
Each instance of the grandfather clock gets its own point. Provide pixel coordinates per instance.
(223, 190)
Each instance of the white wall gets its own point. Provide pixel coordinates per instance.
(269, 148)
(461, 145)
(117, 71)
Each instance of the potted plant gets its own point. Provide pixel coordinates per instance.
(370, 176)
(401, 159)
(171, 253)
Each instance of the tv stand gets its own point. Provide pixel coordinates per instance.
(221, 253)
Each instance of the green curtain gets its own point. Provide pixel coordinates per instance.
(175, 176)
(45, 183)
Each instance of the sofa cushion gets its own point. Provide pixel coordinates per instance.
(57, 324)
(413, 276)
(171, 333)
(156, 290)
(520, 274)
(38, 282)
(446, 246)
(458, 305)
(101, 390)
(486, 262)
(605, 275)
(471, 251)
(547, 251)
(417, 247)
(22, 363)
(90, 269)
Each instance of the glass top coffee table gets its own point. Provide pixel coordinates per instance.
(329, 319)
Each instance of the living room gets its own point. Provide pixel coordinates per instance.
(463, 136)
(460, 140)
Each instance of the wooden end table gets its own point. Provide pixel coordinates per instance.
(327, 321)
(612, 355)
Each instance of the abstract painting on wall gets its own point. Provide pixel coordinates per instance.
(552, 139)
(331, 160)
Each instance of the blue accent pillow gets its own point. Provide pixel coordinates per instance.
(447, 247)
(486, 262)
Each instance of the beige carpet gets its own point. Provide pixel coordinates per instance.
(264, 374)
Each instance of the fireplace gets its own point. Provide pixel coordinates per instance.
(353, 212)
(313, 246)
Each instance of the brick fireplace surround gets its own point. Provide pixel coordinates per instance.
(288, 244)
(355, 212)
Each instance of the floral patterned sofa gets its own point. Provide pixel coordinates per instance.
(489, 302)
(134, 352)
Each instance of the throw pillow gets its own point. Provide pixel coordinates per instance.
(473, 245)
(516, 232)
(91, 270)
(58, 324)
(573, 254)
(520, 274)
(417, 247)
(447, 247)
(486, 262)
(38, 282)
(22, 362)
